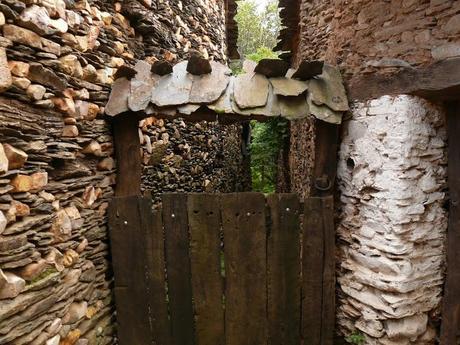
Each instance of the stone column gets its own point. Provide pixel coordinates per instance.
(392, 229)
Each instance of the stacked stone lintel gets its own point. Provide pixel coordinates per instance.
(57, 172)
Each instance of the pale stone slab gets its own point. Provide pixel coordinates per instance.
(5, 75)
(10, 285)
(3, 160)
(288, 87)
(173, 89)
(208, 88)
(324, 113)
(188, 108)
(3, 222)
(224, 104)
(328, 89)
(251, 90)
(118, 100)
(249, 66)
(293, 108)
(140, 93)
(271, 109)
(141, 86)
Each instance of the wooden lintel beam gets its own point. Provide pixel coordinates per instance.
(127, 151)
(450, 327)
(439, 81)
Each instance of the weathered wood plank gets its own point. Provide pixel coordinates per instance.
(132, 297)
(127, 150)
(284, 270)
(439, 81)
(175, 224)
(152, 226)
(325, 166)
(207, 283)
(312, 271)
(328, 305)
(243, 222)
(450, 327)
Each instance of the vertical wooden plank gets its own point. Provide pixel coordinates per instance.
(155, 274)
(325, 164)
(129, 262)
(328, 305)
(207, 284)
(450, 327)
(127, 151)
(244, 227)
(175, 224)
(283, 248)
(312, 271)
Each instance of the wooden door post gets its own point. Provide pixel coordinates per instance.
(325, 164)
(450, 326)
(127, 151)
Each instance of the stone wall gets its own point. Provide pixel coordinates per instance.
(57, 60)
(391, 165)
(392, 228)
(364, 36)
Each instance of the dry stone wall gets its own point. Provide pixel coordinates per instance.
(57, 172)
(364, 36)
(392, 228)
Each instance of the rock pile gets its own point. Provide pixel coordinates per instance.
(57, 64)
(392, 177)
(198, 160)
(54, 192)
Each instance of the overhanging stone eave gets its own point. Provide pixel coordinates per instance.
(264, 92)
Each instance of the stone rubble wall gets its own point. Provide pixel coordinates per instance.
(57, 172)
(392, 226)
(364, 36)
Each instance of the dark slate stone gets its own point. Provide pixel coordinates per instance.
(198, 65)
(272, 68)
(162, 68)
(125, 71)
(45, 76)
(308, 70)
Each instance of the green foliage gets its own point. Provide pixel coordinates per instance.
(257, 28)
(356, 339)
(267, 140)
(262, 53)
(258, 32)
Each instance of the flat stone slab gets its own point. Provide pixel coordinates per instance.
(251, 90)
(247, 95)
(208, 88)
(293, 108)
(224, 104)
(288, 87)
(118, 100)
(173, 89)
(324, 113)
(328, 89)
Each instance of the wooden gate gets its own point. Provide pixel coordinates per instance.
(233, 269)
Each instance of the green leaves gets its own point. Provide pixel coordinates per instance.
(257, 36)
(267, 141)
(356, 339)
(256, 28)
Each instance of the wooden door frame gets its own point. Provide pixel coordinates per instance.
(450, 325)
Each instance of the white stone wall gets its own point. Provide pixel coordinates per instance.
(392, 178)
